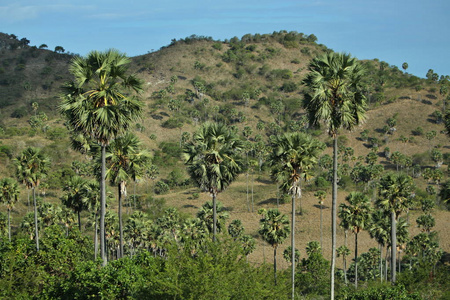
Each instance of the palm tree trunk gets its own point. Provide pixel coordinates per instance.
(79, 220)
(214, 217)
(393, 246)
(386, 264)
(321, 228)
(103, 208)
(275, 264)
(333, 216)
(381, 262)
(95, 237)
(120, 252)
(248, 202)
(356, 260)
(253, 202)
(9, 224)
(36, 228)
(345, 268)
(293, 246)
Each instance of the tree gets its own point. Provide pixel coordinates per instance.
(76, 196)
(379, 230)
(321, 195)
(293, 157)
(125, 160)
(405, 66)
(274, 229)
(59, 49)
(394, 196)
(212, 160)
(335, 97)
(9, 193)
(98, 105)
(31, 167)
(344, 252)
(358, 215)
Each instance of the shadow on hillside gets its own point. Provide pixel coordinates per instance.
(268, 201)
(323, 206)
(266, 181)
(190, 206)
(229, 208)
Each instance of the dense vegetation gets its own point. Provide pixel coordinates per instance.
(198, 113)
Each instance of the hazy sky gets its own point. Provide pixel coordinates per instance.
(395, 31)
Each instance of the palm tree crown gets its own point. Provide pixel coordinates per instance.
(335, 94)
(95, 103)
(212, 157)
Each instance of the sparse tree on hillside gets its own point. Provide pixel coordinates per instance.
(405, 66)
(98, 106)
(335, 97)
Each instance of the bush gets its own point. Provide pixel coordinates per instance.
(19, 112)
(172, 123)
(161, 187)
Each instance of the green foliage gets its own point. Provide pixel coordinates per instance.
(172, 123)
(381, 292)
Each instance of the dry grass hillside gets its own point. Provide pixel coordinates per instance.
(242, 82)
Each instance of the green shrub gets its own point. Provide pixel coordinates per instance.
(19, 112)
(161, 187)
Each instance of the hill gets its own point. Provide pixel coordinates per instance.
(252, 83)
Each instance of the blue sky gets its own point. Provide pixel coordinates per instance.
(395, 31)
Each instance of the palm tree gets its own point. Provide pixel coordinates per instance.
(98, 105)
(344, 252)
(335, 97)
(379, 230)
(320, 195)
(394, 197)
(9, 193)
(358, 215)
(213, 160)
(274, 229)
(76, 197)
(206, 215)
(32, 165)
(125, 160)
(293, 157)
(235, 229)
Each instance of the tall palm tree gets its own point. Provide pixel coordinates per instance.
(98, 104)
(358, 214)
(344, 252)
(9, 193)
(379, 230)
(213, 160)
(293, 157)
(334, 97)
(76, 196)
(31, 167)
(394, 197)
(125, 160)
(274, 229)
